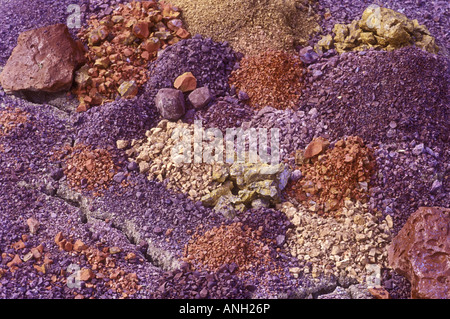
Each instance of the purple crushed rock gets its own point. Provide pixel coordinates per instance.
(406, 174)
(210, 62)
(335, 102)
(161, 224)
(152, 210)
(296, 128)
(382, 96)
(54, 215)
(30, 146)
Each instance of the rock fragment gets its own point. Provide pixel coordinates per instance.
(186, 82)
(200, 97)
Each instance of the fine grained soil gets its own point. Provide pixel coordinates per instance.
(410, 108)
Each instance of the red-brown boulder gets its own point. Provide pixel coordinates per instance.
(43, 60)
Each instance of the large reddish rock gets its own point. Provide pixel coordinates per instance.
(421, 253)
(43, 60)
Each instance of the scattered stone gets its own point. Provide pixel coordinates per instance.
(79, 245)
(122, 144)
(316, 147)
(379, 292)
(16, 261)
(86, 274)
(128, 89)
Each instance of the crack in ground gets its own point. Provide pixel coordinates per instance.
(157, 257)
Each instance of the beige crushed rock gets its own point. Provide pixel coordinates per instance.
(343, 246)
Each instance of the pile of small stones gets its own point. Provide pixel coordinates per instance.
(226, 112)
(10, 118)
(251, 26)
(342, 246)
(186, 283)
(233, 244)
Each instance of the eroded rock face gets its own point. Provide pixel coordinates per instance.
(421, 252)
(43, 60)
